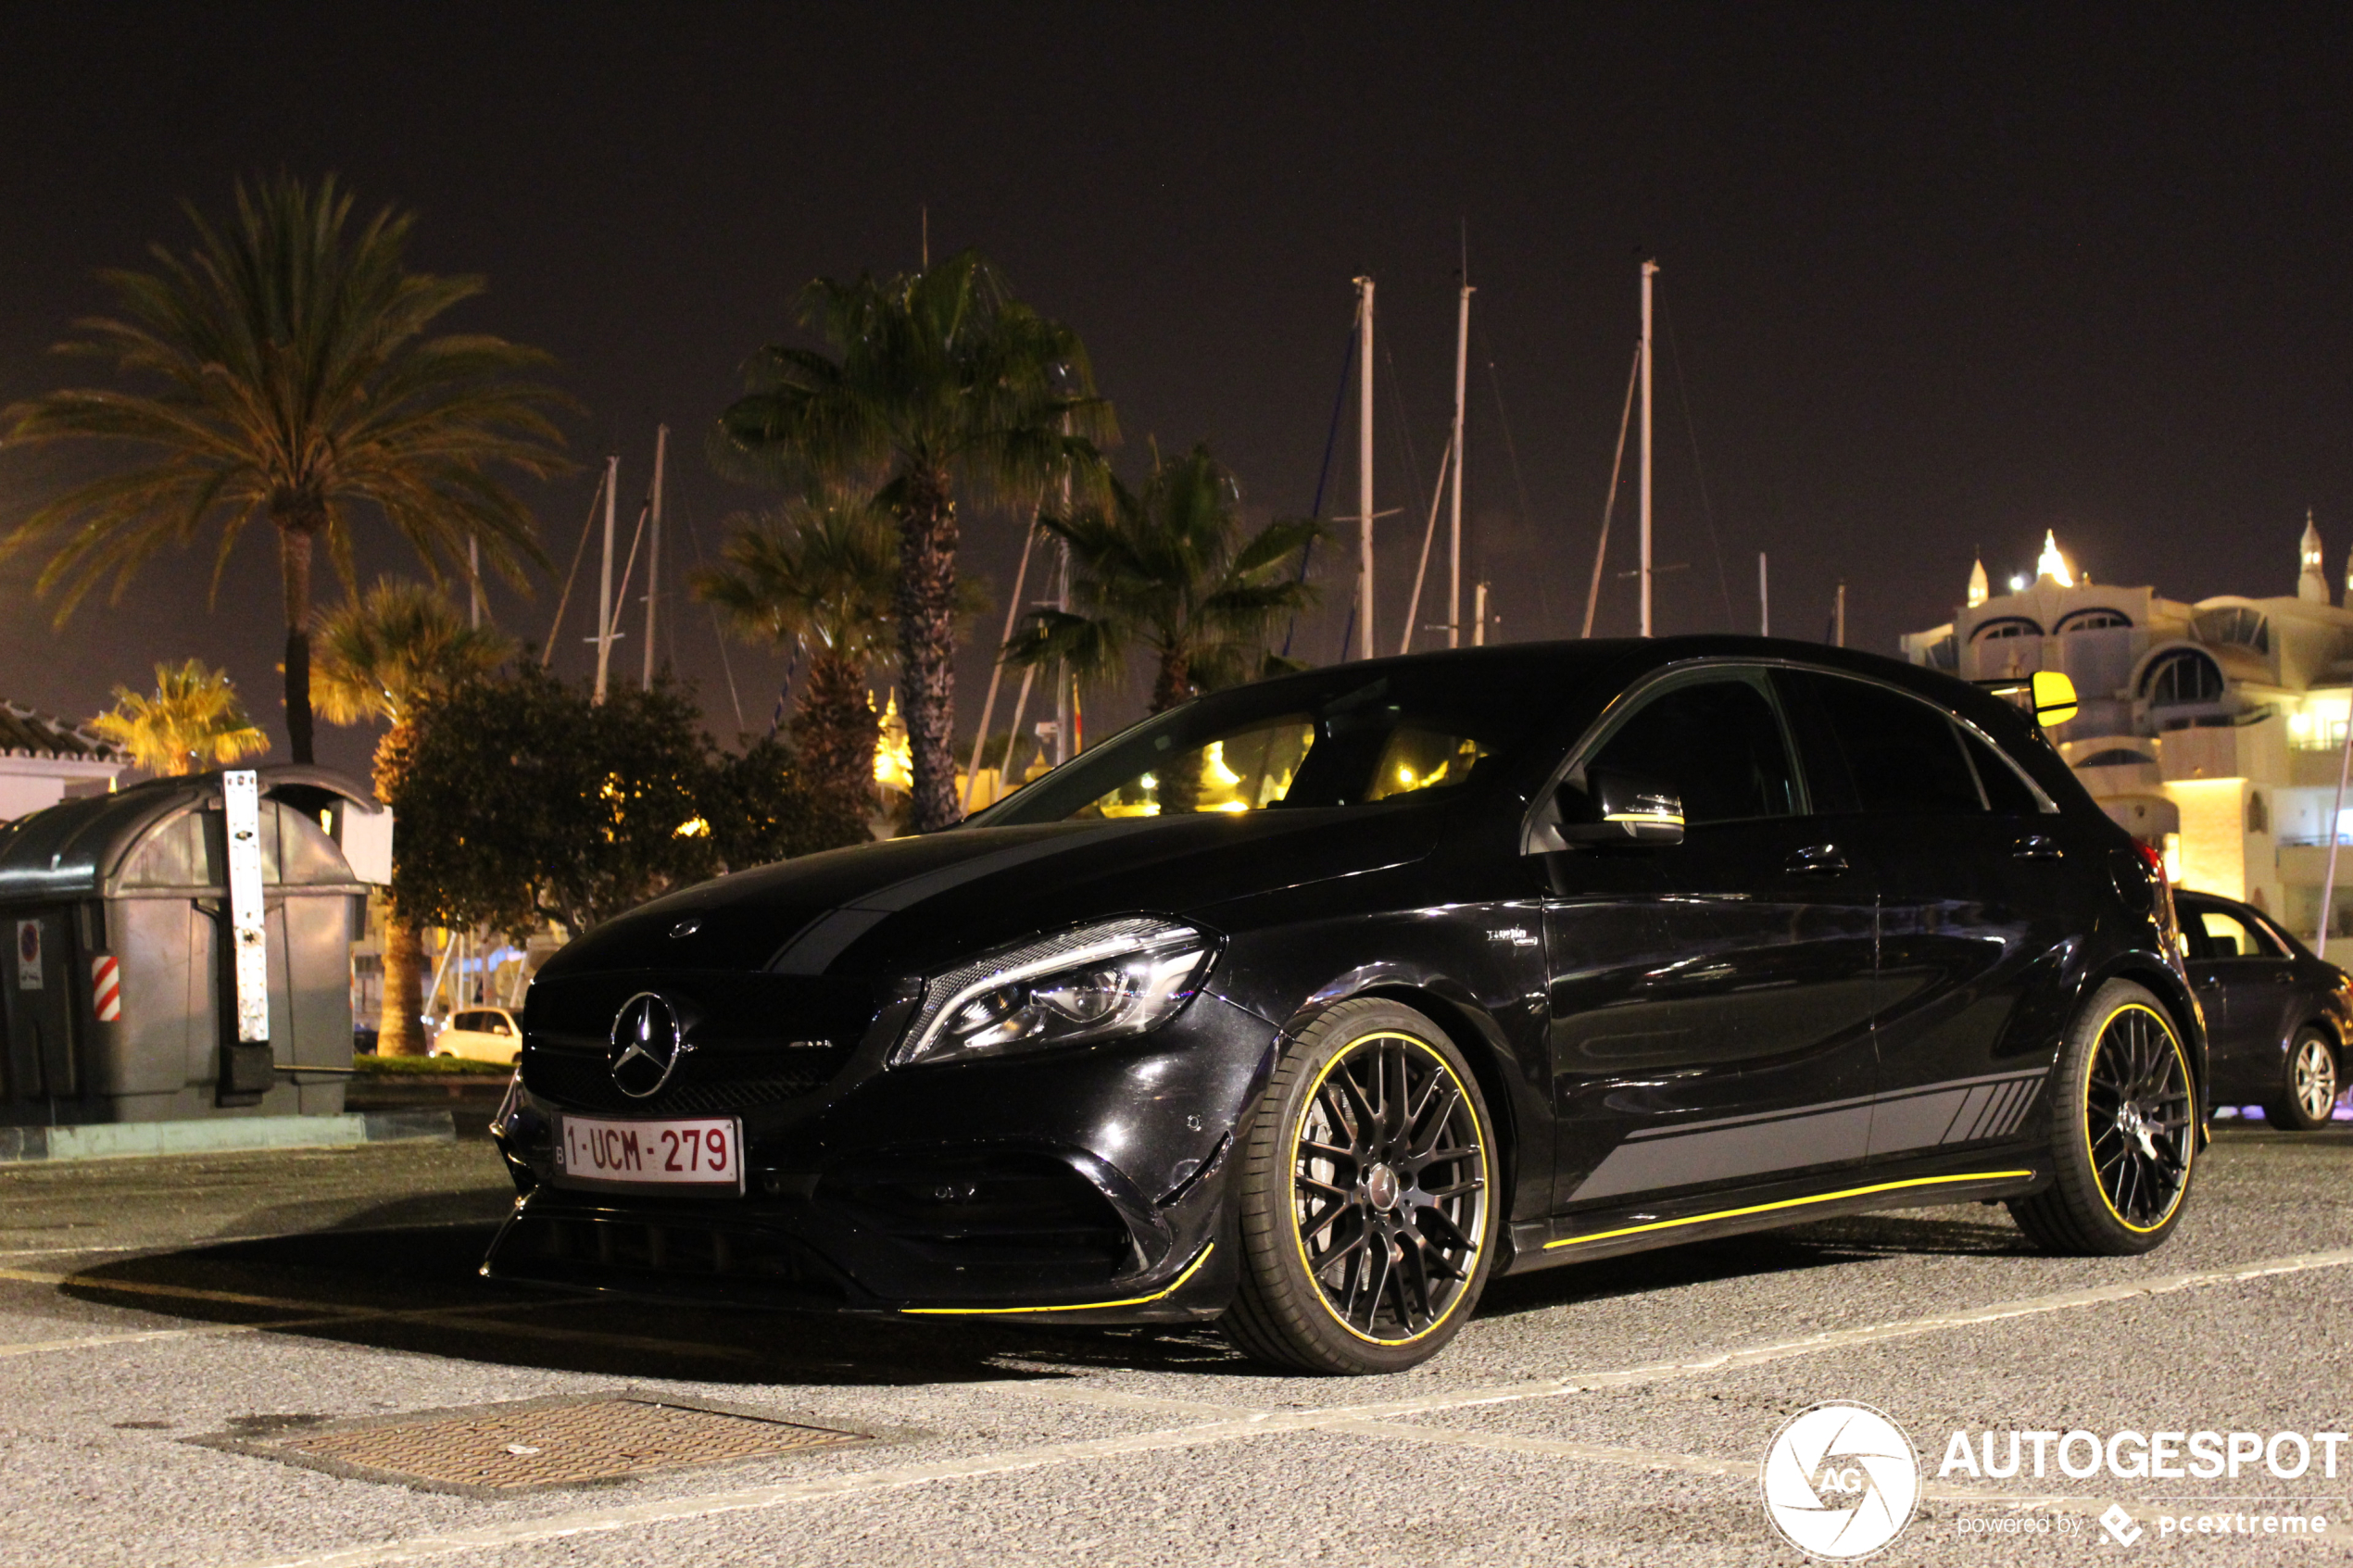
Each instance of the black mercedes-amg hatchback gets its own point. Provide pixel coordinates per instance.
(1310, 1005)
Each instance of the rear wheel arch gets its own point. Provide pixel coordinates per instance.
(2167, 988)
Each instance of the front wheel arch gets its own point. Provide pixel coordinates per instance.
(1474, 1034)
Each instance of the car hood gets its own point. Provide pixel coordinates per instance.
(882, 911)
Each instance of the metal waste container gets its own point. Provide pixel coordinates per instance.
(119, 993)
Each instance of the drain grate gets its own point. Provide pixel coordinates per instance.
(502, 1450)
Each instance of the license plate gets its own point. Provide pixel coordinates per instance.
(701, 1152)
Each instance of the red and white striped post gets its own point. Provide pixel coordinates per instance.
(105, 988)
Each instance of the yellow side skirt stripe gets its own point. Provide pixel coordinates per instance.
(1076, 1307)
(1787, 1203)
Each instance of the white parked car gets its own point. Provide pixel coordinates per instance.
(481, 1035)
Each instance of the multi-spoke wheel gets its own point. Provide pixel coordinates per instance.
(1367, 1196)
(2306, 1097)
(2125, 1130)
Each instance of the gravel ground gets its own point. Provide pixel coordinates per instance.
(1603, 1413)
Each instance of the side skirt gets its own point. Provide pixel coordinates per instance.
(1610, 1231)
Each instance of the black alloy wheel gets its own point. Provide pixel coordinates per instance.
(2305, 1097)
(2125, 1130)
(1367, 1196)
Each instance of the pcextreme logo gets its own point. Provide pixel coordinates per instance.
(1841, 1481)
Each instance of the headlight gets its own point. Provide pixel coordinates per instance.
(1097, 982)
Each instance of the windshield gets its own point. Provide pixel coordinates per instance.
(1350, 736)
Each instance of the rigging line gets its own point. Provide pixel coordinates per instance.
(1331, 437)
(1397, 412)
(621, 595)
(997, 665)
(585, 529)
(694, 537)
(1707, 508)
(1617, 467)
(1511, 450)
(1430, 533)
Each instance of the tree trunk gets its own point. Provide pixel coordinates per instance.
(1180, 776)
(295, 540)
(925, 604)
(398, 1031)
(1173, 684)
(834, 732)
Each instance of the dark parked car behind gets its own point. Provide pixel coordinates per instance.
(1310, 1006)
(2277, 1019)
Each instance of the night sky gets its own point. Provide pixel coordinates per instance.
(1934, 279)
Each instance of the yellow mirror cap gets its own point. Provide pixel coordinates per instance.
(2053, 698)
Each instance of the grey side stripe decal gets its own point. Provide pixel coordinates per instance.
(1963, 1111)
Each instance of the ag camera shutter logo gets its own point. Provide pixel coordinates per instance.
(1841, 1481)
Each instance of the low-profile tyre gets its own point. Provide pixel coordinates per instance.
(1365, 1196)
(2306, 1095)
(2123, 1130)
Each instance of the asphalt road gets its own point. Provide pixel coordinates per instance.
(1610, 1413)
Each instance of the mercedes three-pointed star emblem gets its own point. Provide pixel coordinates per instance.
(646, 1044)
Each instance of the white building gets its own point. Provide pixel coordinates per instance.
(43, 760)
(2214, 731)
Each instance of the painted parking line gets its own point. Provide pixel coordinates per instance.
(1374, 1419)
(198, 1241)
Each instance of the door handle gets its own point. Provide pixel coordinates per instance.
(1817, 859)
(2038, 847)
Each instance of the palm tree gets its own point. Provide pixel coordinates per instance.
(297, 385)
(194, 721)
(939, 379)
(377, 656)
(820, 574)
(1170, 573)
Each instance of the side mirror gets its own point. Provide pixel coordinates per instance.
(1613, 808)
(2048, 694)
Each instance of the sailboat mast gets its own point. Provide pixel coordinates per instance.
(604, 589)
(1364, 470)
(653, 553)
(1650, 271)
(1455, 507)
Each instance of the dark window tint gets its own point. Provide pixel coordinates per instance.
(2181, 678)
(1718, 744)
(1903, 755)
(2004, 791)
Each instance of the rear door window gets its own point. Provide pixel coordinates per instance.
(2004, 791)
(1902, 754)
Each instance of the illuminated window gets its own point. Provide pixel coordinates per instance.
(2007, 626)
(2092, 620)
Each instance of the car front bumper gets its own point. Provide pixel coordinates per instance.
(1086, 1185)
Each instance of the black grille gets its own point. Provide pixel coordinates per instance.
(701, 1084)
(667, 1253)
(996, 1209)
